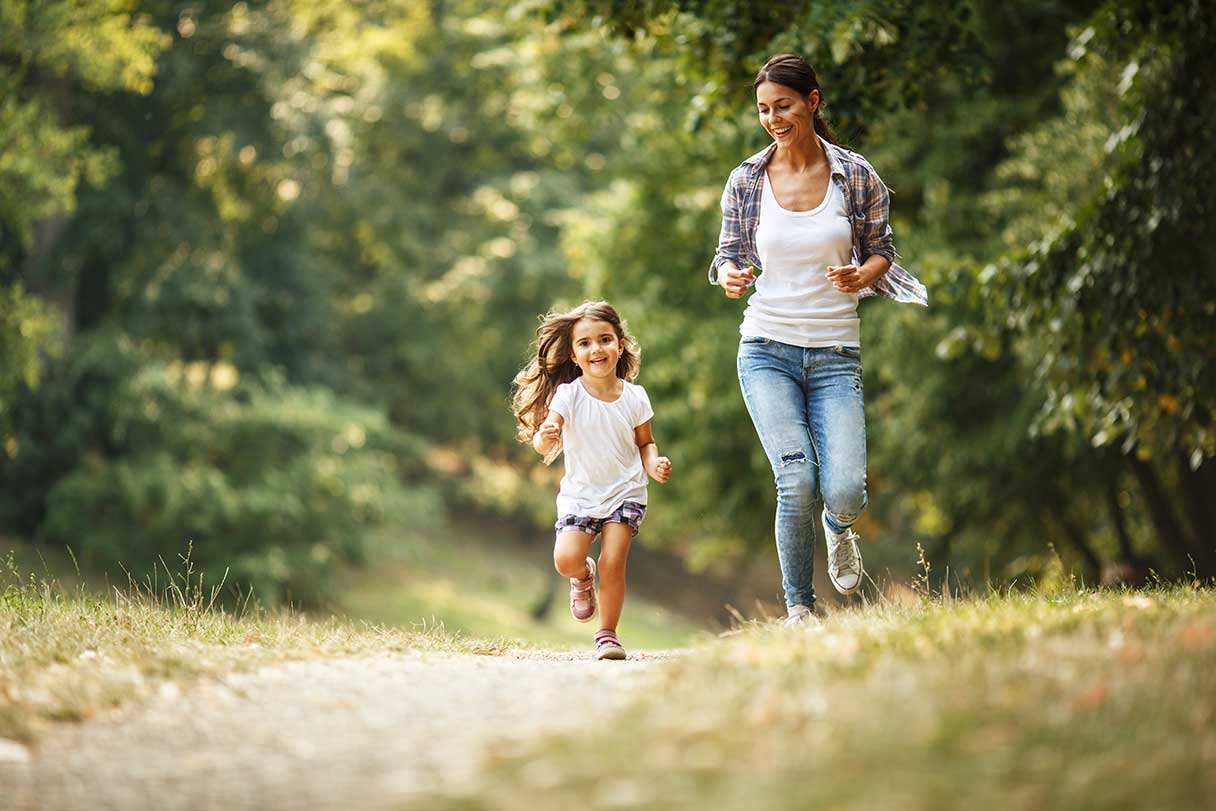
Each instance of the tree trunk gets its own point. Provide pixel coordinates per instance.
(40, 280)
(1169, 531)
(57, 293)
(1197, 498)
(1133, 568)
(1076, 537)
(543, 603)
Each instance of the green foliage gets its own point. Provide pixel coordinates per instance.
(27, 329)
(324, 197)
(1115, 300)
(275, 483)
(48, 49)
(360, 210)
(990, 126)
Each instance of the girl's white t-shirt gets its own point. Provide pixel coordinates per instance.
(794, 302)
(603, 463)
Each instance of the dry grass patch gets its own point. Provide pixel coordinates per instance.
(69, 655)
(1075, 700)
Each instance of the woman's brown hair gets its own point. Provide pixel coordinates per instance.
(794, 72)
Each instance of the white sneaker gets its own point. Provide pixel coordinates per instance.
(800, 615)
(844, 559)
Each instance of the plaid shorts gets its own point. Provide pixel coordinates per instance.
(630, 512)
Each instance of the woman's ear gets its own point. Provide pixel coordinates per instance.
(813, 100)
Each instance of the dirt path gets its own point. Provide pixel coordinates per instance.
(352, 733)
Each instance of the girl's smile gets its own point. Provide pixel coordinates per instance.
(596, 348)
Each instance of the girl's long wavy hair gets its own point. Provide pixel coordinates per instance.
(553, 364)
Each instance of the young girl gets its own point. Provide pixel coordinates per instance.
(574, 397)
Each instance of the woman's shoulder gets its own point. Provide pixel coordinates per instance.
(751, 165)
(854, 160)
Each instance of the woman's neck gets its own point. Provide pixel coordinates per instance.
(806, 156)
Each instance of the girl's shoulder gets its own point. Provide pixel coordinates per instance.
(565, 393)
(637, 397)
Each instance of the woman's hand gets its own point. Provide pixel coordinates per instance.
(734, 282)
(851, 279)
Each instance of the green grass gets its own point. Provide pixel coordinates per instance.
(477, 582)
(1077, 700)
(68, 653)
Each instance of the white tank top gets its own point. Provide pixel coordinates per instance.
(793, 300)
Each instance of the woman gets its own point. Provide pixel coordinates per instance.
(813, 216)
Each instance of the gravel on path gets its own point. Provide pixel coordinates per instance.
(367, 732)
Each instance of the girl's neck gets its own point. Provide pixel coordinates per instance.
(607, 389)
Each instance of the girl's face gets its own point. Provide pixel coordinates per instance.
(787, 115)
(596, 347)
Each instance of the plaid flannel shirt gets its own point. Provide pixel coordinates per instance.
(866, 200)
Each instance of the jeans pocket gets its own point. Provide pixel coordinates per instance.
(754, 340)
(853, 352)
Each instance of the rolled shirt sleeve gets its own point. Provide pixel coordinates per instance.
(874, 213)
(731, 236)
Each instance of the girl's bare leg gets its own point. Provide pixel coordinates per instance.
(570, 553)
(615, 542)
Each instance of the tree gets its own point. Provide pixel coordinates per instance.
(945, 93)
(1114, 301)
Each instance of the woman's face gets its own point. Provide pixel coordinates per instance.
(787, 115)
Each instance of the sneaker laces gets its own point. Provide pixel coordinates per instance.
(844, 553)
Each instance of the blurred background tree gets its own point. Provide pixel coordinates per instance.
(267, 269)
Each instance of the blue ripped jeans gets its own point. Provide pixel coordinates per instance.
(809, 410)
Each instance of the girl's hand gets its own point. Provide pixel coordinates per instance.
(851, 279)
(660, 471)
(546, 436)
(734, 281)
(549, 432)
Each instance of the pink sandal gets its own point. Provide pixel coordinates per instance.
(607, 646)
(582, 595)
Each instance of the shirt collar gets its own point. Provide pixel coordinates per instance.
(759, 161)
